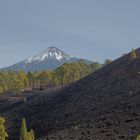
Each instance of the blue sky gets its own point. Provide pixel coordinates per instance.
(92, 29)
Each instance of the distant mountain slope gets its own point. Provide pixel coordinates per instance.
(103, 106)
(49, 59)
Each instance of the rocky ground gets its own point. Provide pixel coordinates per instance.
(103, 106)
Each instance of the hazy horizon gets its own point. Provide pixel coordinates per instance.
(91, 29)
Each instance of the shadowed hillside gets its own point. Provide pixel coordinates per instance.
(103, 106)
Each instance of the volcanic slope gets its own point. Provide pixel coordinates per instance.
(103, 106)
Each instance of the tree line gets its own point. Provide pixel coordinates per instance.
(17, 82)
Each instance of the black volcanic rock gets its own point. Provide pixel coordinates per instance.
(103, 106)
(49, 59)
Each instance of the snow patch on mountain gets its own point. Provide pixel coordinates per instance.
(49, 53)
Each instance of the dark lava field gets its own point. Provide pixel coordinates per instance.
(103, 106)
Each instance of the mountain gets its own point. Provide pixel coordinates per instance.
(49, 59)
(104, 105)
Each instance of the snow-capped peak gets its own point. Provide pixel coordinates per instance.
(50, 53)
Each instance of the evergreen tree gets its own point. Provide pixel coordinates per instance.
(1, 90)
(45, 78)
(3, 133)
(133, 54)
(94, 66)
(55, 80)
(4, 87)
(138, 137)
(107, 61)
(30, 77)
(22, 77)
(23, 131)
(31, 135)
(18, 86)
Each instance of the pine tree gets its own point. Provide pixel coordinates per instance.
(133, 54)
(18, 87)
(138, 137)
(31, 135)
(1, 90)
(22, 77)
(3, 133)
(107, 61)
(23, 131)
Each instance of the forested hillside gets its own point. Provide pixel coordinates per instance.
(17, 82)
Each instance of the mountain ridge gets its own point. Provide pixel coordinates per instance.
(49, 59)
